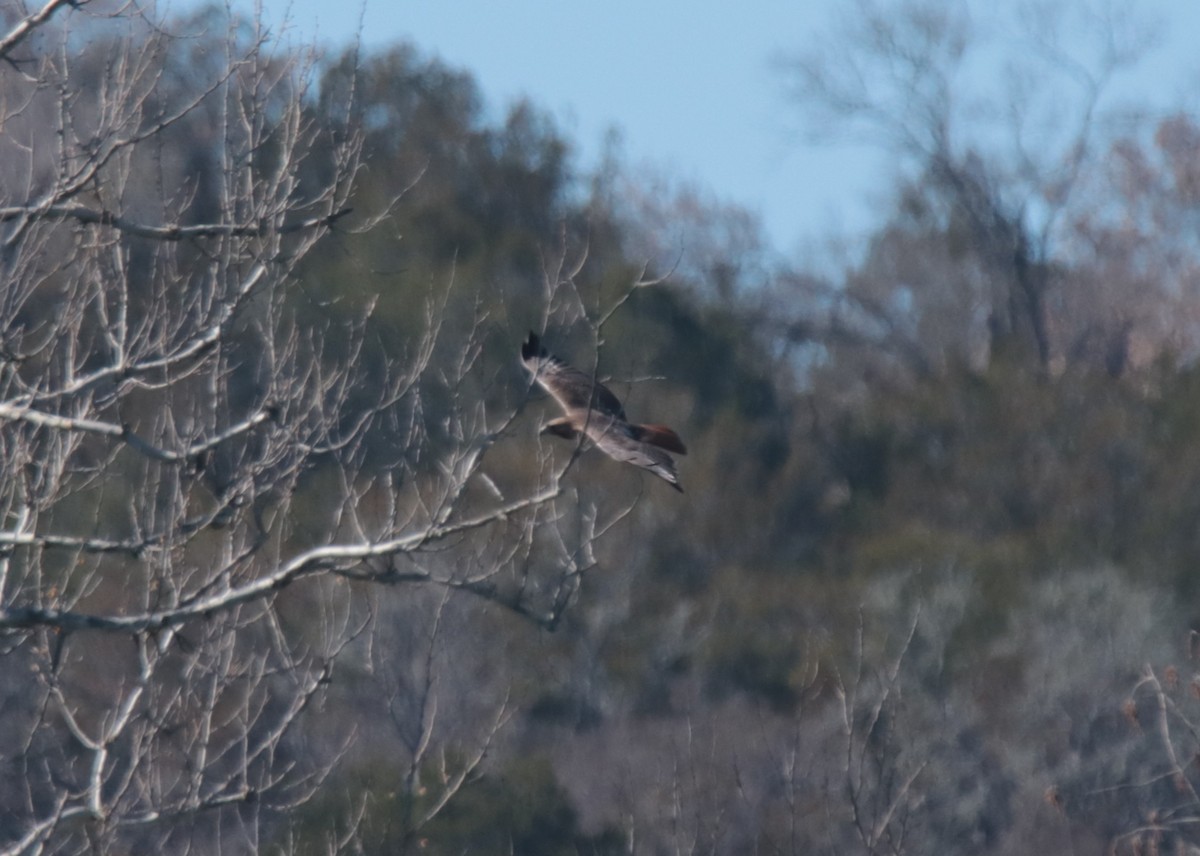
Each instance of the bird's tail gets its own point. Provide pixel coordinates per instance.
(661, 436)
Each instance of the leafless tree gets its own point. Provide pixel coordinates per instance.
(839, 773)
(196, 527)
(878, 782)
(1162, 707)
(996, 113)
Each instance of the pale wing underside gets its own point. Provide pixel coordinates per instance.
(630, 451)
(572, 389)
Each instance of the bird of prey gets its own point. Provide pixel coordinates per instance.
(590, 408)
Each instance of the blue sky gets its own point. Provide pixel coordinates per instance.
(688, 83)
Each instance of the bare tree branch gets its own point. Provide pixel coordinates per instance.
(91, 216)
(122, 432)
(338, 558)
(30, 23)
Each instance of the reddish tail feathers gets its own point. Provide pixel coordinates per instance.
(661, 436)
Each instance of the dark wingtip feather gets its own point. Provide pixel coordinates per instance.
(532, 347)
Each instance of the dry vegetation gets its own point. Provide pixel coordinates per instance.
(284, 567)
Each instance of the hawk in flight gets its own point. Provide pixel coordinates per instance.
(590, 408)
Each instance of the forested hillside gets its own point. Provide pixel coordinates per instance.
(286, 566)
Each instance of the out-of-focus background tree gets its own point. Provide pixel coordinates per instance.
(285, 568)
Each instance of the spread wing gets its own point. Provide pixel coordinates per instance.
(622, 448)
(590, 407)
(573, 390)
